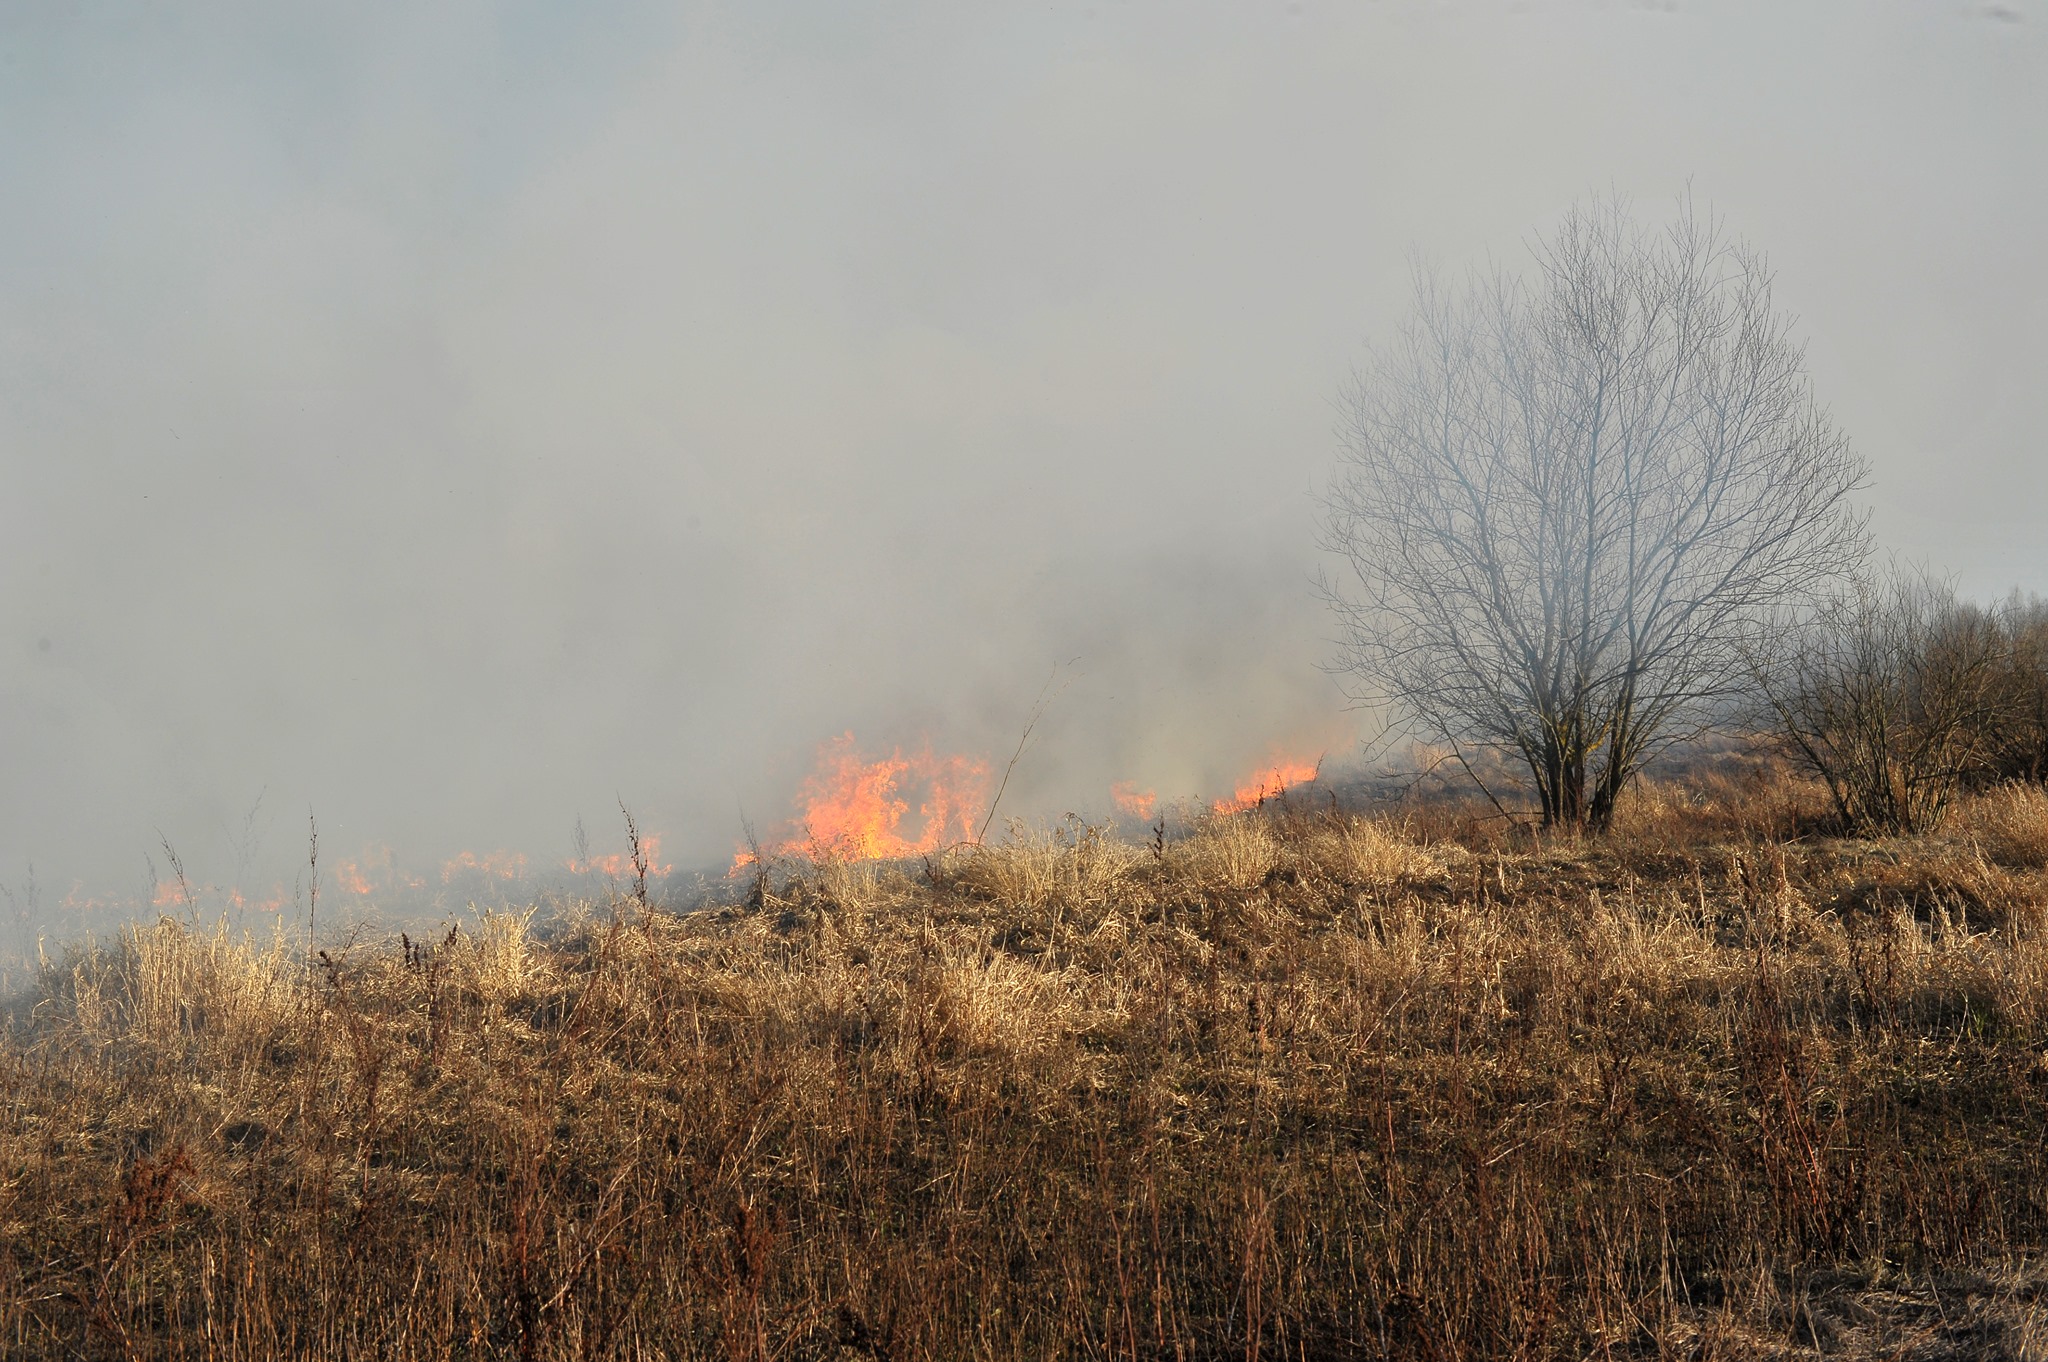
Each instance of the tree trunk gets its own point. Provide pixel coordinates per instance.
(1560, 772)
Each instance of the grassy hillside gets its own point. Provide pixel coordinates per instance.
(1300, 1084)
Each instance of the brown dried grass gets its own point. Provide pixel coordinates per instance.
(2011, 823)
(1299, 1084)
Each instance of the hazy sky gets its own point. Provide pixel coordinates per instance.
(453, 418)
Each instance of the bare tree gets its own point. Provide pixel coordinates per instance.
(1565, 499)
(1896, 695)
(2023, 741)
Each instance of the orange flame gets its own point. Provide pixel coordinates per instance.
(349, 878)
(1266, 785)
(855, 808)
(78, 899)
(1132, 800)
(496, 865)
(373, 872)
(621, 866)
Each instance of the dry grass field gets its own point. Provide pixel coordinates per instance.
(1299, 1084)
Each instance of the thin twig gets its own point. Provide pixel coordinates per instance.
(1037, 712)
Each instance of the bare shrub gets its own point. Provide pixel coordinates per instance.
(1892, 696)
(2021, 744)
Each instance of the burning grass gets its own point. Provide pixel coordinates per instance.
(1297, 1084)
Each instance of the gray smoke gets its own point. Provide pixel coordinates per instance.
(456, 422)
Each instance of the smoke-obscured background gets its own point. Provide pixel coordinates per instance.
(456, 418)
